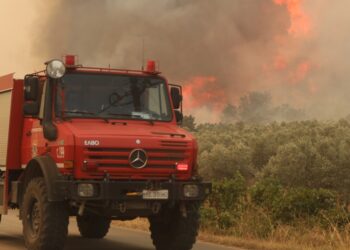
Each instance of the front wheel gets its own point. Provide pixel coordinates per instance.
(171, 230)
(45, 224)
(93, 226)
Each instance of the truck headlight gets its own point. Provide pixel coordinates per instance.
(55, 69)
(86, 190)
(191, 191)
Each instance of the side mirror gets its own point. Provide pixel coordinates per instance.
(31, 104)
(50, 131)
(176, 96)
(179, 117)
(31, 88)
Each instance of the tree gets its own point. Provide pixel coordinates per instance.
(229, 114)
(255, 107)
(189, 123)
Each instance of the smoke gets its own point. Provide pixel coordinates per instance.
(219, 50)
(16, 25)
(192, 40)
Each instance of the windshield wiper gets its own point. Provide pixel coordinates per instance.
(113, 103)
(126, 115)
(85, 113)
(79, 112)
(133, 116)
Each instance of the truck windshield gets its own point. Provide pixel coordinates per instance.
(88, 95)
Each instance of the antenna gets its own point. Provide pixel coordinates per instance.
(143, 53)
(158, 65)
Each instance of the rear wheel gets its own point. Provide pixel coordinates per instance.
(93, 226)
(45, 224)
(170, 230)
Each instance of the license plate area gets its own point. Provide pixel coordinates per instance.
(162, 194)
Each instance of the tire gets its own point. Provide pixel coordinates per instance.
(93, 226)
(45, 224)
(170, 230)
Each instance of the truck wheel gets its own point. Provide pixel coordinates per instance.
(170, 230)
(45, 224)
(93, 226)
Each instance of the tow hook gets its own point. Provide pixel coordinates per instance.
(156, 207)
(81, 209)
(122, 207)
(183, 210)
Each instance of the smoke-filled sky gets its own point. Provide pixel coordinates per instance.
(219, 50)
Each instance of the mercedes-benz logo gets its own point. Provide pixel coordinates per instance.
(138, 158)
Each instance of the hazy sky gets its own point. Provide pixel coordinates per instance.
(17, 18)
(295, 49)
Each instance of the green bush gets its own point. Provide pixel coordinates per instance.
(303, 203)
(267, 193)
(225, 220)
(227, 194)
(310, 154)
(272, 174)
(208, 217)
(285, 205)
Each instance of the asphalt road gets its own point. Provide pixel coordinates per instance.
(117, 238)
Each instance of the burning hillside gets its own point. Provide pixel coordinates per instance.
(219, 51)
(283, 61)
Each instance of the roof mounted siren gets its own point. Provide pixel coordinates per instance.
(151, 68)
(70, 61)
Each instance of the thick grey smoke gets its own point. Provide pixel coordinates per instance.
(239, 45)
(225, 39)
(188, 38)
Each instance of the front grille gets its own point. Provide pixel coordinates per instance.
(163, 158)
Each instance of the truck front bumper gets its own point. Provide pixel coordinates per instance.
(132, 190)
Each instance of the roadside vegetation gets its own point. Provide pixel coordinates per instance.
(276, 185)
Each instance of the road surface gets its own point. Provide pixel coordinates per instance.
(117, 238)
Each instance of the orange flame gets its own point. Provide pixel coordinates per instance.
(203, 91)
(295, 69)
(300, 22)
(301, 72)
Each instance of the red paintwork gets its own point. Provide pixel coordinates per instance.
(15, 131)
(16, 126)
(163, 141)
(154, 138)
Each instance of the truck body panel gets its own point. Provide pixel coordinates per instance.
(131, 161)
(11, 116)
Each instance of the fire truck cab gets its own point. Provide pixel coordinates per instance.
(99, 144)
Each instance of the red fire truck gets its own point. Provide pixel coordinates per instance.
(99, 144)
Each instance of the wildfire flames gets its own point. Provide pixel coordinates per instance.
(202, 90)
(206, 91)
(300, 23)
(295, 72)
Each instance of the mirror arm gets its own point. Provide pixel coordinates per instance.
(49, 129)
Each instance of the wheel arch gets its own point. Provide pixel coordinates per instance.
(43, 166)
